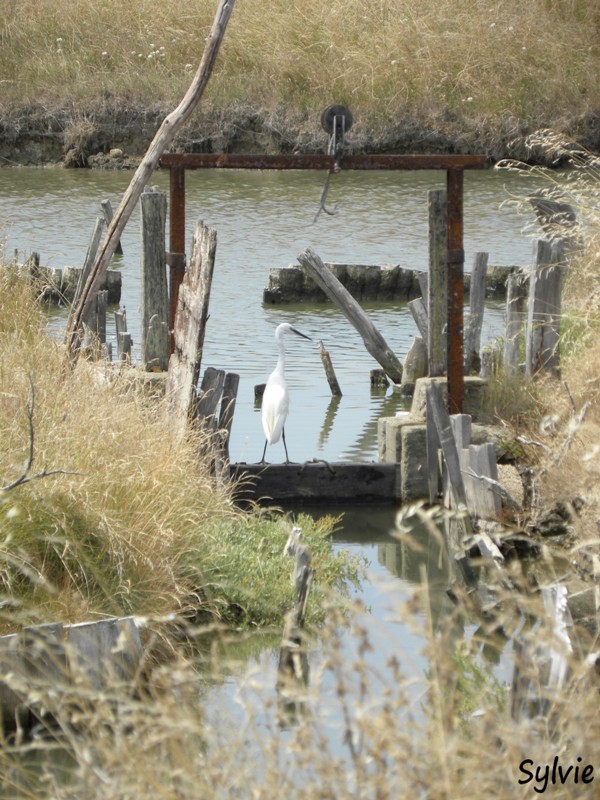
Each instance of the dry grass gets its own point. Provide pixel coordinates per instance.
(387, 60)
(366, 731)
(132, 522)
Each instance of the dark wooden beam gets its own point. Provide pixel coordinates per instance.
(317, 482)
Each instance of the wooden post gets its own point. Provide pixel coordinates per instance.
(476, 309)
(228, 401)
(437, 291)
(89, 260)
(418, 309)
(329, 371)
(108, 215)
(123, 338)
(292, 671)
(516, 295)
(542, 346)
(155, 294)
(100, 324)
(190, 326)
(374, 341)
(209, 396)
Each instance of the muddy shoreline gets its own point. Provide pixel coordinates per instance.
(116, 136)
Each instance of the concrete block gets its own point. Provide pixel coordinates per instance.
(413, 463)
(473, 400)
(389, 428)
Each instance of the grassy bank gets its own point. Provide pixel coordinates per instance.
(473, 71)
(125, 522)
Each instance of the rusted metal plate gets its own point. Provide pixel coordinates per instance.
(320, 161)
(317, 482)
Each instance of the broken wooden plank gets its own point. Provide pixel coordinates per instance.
(317, 481)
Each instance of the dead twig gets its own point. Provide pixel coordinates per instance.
(25, 477)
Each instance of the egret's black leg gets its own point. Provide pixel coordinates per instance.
(262, 461)
(287, 458)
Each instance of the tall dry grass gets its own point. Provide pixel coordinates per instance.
(387, 60)
(127, 521)
(367, 729)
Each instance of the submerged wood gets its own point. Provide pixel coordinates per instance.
(374, 341)
(190, 326)
(163, 138)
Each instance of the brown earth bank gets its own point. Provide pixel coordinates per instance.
(114, 135)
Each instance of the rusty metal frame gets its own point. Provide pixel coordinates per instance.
(454, 165)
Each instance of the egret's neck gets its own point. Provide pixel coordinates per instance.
(281, 360)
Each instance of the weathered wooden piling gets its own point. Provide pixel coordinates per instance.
(107, 211)
(516, 298)
(155, 294)
(92, 250)
(123, 337)
(476, 310)
(190, 327)
(542, 346)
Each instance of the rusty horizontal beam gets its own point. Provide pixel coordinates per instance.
(319, 161)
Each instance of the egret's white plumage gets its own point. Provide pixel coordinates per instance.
(276, 400)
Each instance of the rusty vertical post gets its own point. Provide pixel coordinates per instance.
(176, 255)
(456, 291)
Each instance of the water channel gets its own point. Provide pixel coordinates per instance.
(264, 220)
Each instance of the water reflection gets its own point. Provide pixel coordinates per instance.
(329, 419)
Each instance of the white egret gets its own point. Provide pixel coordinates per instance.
(276, 399)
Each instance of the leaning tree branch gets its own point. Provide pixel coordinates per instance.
(25, 476)
(163, 138)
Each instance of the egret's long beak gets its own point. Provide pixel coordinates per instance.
(304, 336)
